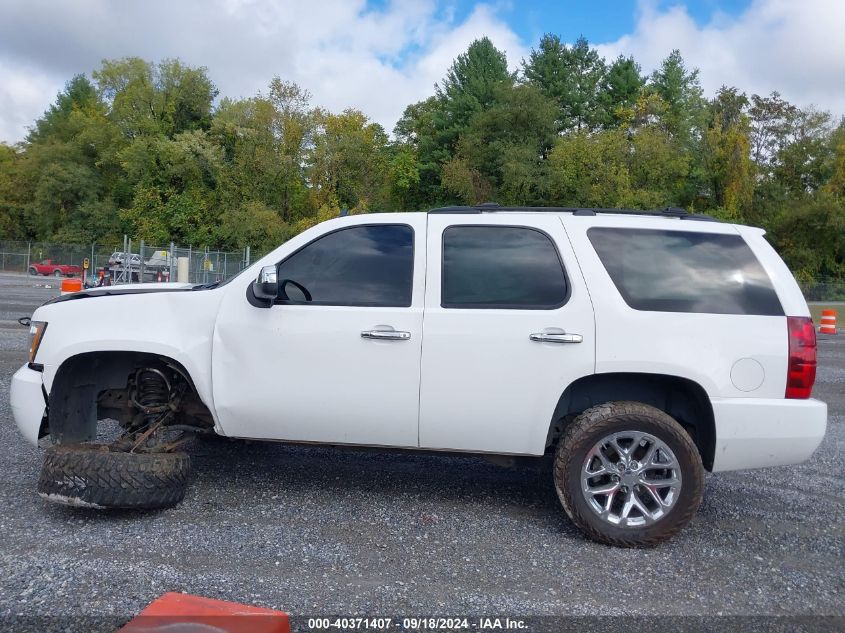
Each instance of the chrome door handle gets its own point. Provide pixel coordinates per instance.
(386, 335)
(544, 337)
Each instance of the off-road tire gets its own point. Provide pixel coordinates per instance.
(89, 475)
(600, 421)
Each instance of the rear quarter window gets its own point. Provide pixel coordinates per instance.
(684, 271)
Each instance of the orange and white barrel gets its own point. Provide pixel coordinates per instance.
(71, 285)
(828, 324)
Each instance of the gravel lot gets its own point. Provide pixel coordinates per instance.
(320, 531)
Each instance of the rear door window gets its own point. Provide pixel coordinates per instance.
(511, 267)
(684, 271)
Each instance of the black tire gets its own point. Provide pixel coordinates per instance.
(89, 475)
(57, 273)
(597, 423)
(33, 271)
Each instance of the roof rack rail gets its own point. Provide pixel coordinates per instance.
(492, 207)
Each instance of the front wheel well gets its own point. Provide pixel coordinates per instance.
(681, 398)
(88, 387)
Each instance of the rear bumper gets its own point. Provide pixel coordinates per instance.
(755, 433)
(27, 398)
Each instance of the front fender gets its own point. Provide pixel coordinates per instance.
(176, 325)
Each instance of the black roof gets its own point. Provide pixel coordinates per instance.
(492, 207)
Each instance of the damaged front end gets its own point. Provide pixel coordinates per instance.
(152, 399)
(158, 411)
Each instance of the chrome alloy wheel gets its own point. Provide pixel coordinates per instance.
(631, 479)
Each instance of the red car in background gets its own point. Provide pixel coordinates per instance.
(47, 267)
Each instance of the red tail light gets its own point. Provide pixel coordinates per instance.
(801, 371)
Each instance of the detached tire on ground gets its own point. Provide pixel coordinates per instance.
(90, 475)
(628, 474)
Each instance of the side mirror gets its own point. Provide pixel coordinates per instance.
(266, 288)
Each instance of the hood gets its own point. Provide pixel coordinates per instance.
(128, 289)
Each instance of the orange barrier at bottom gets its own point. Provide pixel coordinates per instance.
(184, 612)
(828, 324)
(71, 285)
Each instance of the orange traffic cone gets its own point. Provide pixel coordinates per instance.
(828, 325)
(184, 612)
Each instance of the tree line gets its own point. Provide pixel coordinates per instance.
(147, 149)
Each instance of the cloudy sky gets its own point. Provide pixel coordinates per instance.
(381, 55)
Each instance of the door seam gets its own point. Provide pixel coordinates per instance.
(422, 329)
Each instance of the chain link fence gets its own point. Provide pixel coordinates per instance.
(823, 289)
(21, 256)
(130, 262)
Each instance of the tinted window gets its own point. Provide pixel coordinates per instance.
(359, 266)
(679, 271)
(501, 266)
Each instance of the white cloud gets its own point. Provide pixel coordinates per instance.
(346, 56)
(380, 61)
(24, 94)
(794, 47)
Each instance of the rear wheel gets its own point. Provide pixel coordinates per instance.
(33, 271)
(628, 474)
(96, 476)
(57, 273)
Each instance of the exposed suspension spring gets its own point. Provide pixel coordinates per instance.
(157, 399)
(153, 392)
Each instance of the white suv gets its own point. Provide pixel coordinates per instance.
(640, 348)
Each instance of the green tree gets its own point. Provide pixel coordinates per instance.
(468, 185)
(810, 236)
(174, 181)
(417, 135)
(571, 76)
(835, 185)
(506, 145)
(252, 224)
(680, 90)
(772, 118)
(265, 142)
(78, 97)
(148, 99)
(69, 163)
(404, 177)
(348, 164)
(614, 168)
(94, 220)
(11, 208)
(801, 164)
(432, 128)
(589, 170)
(619, 90)
(470, 87)
(727, 154)
(658, 169)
